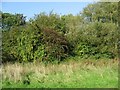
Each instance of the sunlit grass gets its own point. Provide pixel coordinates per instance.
(71, 74)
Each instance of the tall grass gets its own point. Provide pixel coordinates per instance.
(82, 74)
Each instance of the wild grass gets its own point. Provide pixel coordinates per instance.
(70, 74)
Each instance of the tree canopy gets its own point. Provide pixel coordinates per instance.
(50, 37)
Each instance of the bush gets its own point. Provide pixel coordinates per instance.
(98, 39)
(50, 37)
(33, 42)
(56, 45)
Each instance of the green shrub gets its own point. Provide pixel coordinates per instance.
(50, 37)
(98, 39)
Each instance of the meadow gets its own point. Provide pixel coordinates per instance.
(70, 74)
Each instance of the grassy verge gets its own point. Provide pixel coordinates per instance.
(71, 74)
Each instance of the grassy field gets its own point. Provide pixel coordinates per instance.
(71, 74)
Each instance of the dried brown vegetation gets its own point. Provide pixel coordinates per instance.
(17, 71)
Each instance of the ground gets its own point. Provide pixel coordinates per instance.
(69, 74)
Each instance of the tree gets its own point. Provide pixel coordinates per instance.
(38, 40)
(11, 25)
(9, 20)
(102, 12)
(98, 35)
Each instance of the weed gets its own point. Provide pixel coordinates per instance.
(75, 74)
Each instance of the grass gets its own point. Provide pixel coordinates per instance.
(71, 74)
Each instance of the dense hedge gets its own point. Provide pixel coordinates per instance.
(50, 37)
(32, 42)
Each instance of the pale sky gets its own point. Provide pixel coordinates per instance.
(30, 8)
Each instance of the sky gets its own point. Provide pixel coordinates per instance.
(29, 9)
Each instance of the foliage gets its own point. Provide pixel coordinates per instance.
(101, 12)
(51, 21)
(56, 45)
(50, 37)
(9, 20)
(98, 38)
(97, 34)
(9, 44)
(32, 42)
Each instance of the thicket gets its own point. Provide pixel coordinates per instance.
(50, 37)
